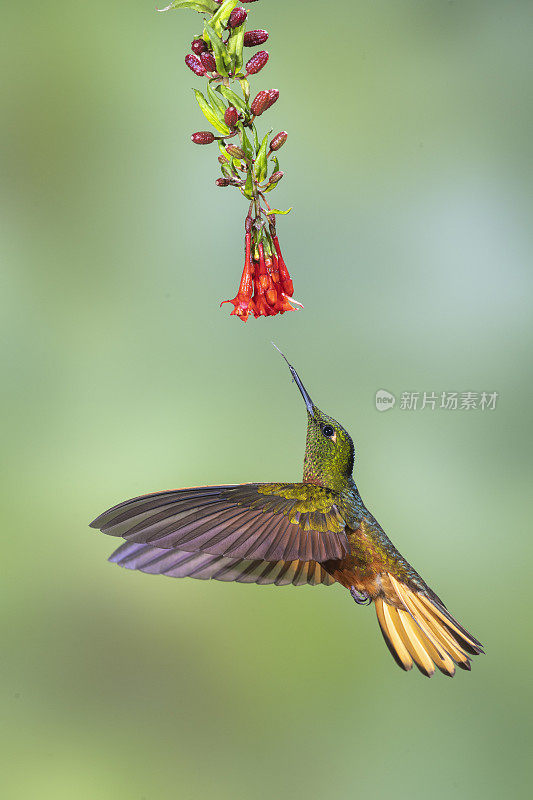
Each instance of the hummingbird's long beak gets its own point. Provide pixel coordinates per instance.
(303, 391)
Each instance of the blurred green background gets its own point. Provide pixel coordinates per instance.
(408, 166)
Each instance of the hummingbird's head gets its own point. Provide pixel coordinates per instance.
(329, 449)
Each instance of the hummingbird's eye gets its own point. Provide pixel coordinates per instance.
(328, 431)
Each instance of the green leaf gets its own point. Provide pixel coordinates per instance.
(219, 49)
(216, 102)
(277, 211)
(232, 98)
(246, 146)
(202, 6)
(256, 140)
(209, 114)
(223, 13)
(235, 47)
(276, 165)
(223, 151)
(249, 186)
(260, 166)
(245, 86)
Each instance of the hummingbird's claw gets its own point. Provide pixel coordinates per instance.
(361, 598)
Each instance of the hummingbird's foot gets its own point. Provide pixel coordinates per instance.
(361, 598)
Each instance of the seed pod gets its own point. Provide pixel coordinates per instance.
(273, 95)
(198, 46)
(203, 137)
(257, 62)
(222, 182)
(277, 176)
(259, 103)
(208, 61)
(237, 17)
(278, 140)
(234, 151)
(254, 38)
(231, 116)
(194, 63)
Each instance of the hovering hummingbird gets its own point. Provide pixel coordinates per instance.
(315, 532)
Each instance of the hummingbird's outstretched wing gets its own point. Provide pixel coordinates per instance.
(266, 521)
(181, 564)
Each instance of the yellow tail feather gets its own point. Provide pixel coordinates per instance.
(418, 629)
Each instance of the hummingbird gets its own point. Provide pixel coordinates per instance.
(317, 531)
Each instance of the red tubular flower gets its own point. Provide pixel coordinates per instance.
(208, 61)
(234, 151)
(276, 177)
(243, 304)
(264, 279)
(259, 103)
(265, 296)
(273, 95)
(231, 116)
(261, 306)
(257, 62)
(254, 38)
(203, 137)
(278, 140)
(194, 63)
(198, 46)
(284, 277)
(237, 17)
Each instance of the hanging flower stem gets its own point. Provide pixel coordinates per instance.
(251, 166)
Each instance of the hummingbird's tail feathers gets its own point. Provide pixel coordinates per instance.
(397, 649)
(271, 522)
(418, 628)
(203, 566)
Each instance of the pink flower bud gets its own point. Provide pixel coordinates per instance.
(237, 17)
(273, 95)
(203, 137)
(277, 176)
(259, 103)
(231, 116)
(222, 182)
(194, 63)
(257, 62)
(254, 38)
(198, 46)
(208, 61)
(236, 152)
(278, 140)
